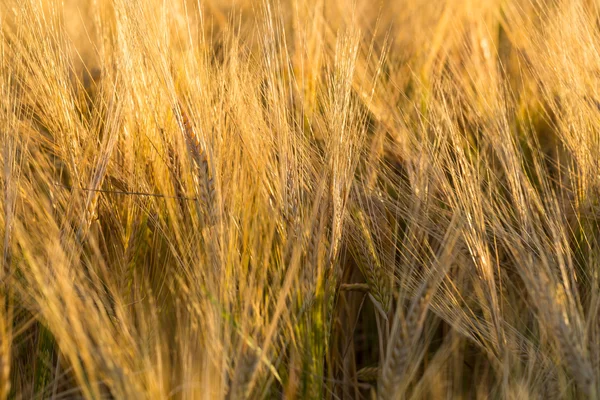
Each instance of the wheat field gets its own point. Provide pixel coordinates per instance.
(300, 199)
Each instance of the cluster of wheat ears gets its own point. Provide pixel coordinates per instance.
(300, 199)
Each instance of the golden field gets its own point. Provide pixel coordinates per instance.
(299, 199)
